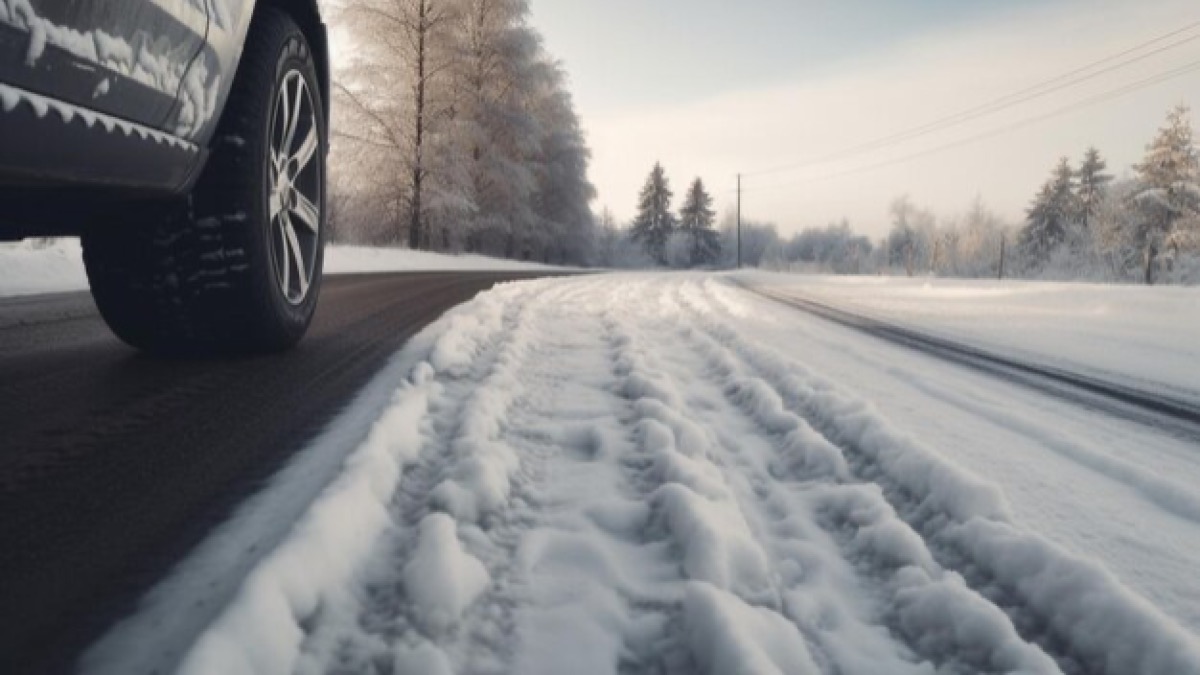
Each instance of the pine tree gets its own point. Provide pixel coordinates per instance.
(1168, 197)
(696, 219)
(1091, 186)
(654, 222)
(1050, 216)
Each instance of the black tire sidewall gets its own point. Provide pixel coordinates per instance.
(236, 183)
(197, 277)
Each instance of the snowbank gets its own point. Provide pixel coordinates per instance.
(360, 260)
(38, 266)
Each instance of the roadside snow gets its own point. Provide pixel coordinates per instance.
(359, 259)
(661, 474)
(37, 266)
(1148, 336)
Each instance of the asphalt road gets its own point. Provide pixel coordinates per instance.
(1159, 410)
(113, 465)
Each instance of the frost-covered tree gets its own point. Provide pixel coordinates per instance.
(1049, 216)
(911, 240)
(654, 222)
(760, 241)
(696, 218)
(391, 99)
(834, 248)
(607, 237)
(455, 128)
(563, 195)
(495, 129)
(1168, 195)
(1091, 184)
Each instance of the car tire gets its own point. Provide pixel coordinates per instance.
(237, 268)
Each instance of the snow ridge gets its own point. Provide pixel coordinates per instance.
(1096, 624)
(604, 474)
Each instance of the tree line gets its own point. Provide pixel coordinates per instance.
(1083, 223)
(454, 131)
(1143, 225)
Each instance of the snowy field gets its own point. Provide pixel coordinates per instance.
(29, 268)
(671, 474)
(1148, 336)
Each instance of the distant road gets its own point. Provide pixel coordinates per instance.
(1159, 410)
(113, 465)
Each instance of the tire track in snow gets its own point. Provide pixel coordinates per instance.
(724, 613)
(807, 489)
(439, 591)
(1071, 607)
(301, 610)
(1163, 492)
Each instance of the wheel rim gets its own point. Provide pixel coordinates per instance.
(295, 188)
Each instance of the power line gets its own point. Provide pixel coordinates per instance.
(1088, 102)
(1055, 84)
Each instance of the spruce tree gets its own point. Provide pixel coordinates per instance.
(1168, 197)
(654, 222)
(1091, 186)
(696, 219)
(1050, 215)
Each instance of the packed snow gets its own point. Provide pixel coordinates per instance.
(672, 474)
(38, 266)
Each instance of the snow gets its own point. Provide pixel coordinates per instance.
(32, 266)
(1143, 335)
(441, 579)
(151, 63)
(358, 260)
(666, 473)
(11, 97)
(728, 636)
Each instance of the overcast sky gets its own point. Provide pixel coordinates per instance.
(713, 87)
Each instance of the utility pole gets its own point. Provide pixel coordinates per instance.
(1003, 241)
(739, 222)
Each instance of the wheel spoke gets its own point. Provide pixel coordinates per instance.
(301, 265)
(294, 141)
(307, 149)
(294, 119)
(280, 151)
(307, 212)
(285, 256)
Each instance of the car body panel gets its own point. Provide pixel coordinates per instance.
(205, 88)
(125, 58)
(208, 84)
(112, 100)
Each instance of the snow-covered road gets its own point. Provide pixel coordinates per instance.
(669, 474)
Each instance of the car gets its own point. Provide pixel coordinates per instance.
(185, 143)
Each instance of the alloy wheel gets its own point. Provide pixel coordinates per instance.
(295, 188)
